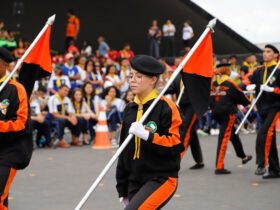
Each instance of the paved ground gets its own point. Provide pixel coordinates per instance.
(57, 180)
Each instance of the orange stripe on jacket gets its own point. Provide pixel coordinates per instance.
(157, 198)
(22, 112)
(226, 138)
(7, 187)
(188, 136)
(269, 138)
(174, 139)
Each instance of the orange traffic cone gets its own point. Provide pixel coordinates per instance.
(102, 140)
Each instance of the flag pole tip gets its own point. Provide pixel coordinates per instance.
(212, 23)
(51, 19)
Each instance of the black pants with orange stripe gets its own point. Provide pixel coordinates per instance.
(190, 135)
(6, 178)
(154, 194)
(227, 132)
(266, 148)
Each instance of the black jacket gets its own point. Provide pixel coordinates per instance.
(15, 131)
(159, 155)
(268, 101)
(225, 97)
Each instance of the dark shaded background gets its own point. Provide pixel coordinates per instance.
(119, 21)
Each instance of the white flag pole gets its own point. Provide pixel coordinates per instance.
(257, 98)
(209, 27)
(180, 95)
(20, 61)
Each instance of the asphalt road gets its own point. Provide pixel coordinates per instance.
(58, 178)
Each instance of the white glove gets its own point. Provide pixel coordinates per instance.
(138, 130)
(251, 87)
(124, 201)
(267, 88)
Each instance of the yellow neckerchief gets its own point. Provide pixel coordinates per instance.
(62, 103)
(93, 76)
(3, 78)
(77, 107)
(222, 78)
(152, 95)
(88, 100)
(124, 72)
(266, 66)
(58, 81)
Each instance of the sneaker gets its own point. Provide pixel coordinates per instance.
(63, 144)
(271, 175)
(197, 166)
(245, 131)
(76, 143)
(222, 171)
(201, 132)
(212, 132)
(247, 159)
(260, 171)
(114, 143)
(216, 132)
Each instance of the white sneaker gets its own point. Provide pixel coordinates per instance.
(244, 131)
(217, 131)
(114, 143)
(201, 132)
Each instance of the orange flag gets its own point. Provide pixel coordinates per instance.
(40, 54)
(201, 62)
(197, 75)
(37, 63)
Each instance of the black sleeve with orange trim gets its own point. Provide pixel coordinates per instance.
(18, 107)
(168, 142)
(237, 94)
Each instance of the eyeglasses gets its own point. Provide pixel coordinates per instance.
(137, 77)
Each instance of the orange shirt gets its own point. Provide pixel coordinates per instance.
(73, 24)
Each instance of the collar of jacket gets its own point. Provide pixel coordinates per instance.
(152, 95)
(221, 79)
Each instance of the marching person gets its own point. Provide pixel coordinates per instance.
(15, 130)
(189, 124)
(147, 170)
(268, 107)
(226, 96)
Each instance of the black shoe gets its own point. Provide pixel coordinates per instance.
(248, 158)
(197, 166)
(222, 171)
(260, 171)
(271, 175)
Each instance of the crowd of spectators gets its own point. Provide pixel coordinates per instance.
(86, 79)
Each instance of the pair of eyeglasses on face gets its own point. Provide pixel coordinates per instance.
(137, 77)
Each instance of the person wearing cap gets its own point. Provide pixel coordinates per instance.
(226, 95)
(147, 169)
(15, 130)
(69, 69)
(57, 79)
(268, 107)
(189, 123)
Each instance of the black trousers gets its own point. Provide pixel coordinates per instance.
(44, 129)
(189, 134)
(153, 194)
(7, 175)
(266, 147)
(227, 132)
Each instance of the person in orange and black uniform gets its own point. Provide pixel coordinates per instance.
(226, 95)
(189, 123)
(147, 169)
(15, 130)
(268, 107)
